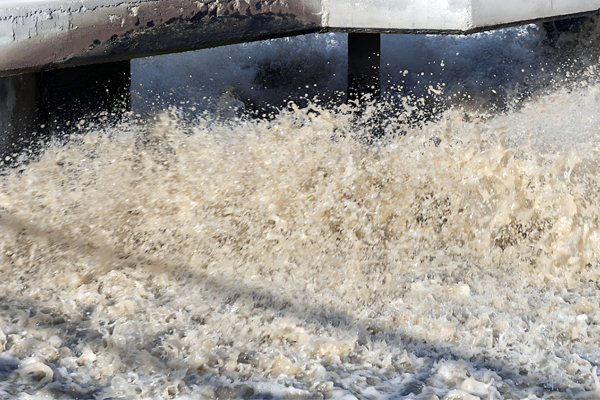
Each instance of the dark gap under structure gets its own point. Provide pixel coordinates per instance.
(87, 92)
(363, 65)
(568, 25)
(36, 106)
(364, 84)
(19, 97)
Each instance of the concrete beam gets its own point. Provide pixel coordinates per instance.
(494, 13)
(404, 15)
(45, 34)
(445, 16)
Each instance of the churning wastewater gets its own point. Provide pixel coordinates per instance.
(201, 250)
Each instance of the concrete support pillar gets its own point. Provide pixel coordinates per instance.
(363, 65)
(44, 102)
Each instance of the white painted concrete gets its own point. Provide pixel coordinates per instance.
(37, 34)
(445, 15)
(430, 15)
(497, 12)
(6, 4)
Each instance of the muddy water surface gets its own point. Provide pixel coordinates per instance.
(206, 258)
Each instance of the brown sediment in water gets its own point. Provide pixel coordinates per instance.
(285, 258)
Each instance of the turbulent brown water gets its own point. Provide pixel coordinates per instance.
(285, 258)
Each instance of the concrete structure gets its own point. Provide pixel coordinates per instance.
(45, 34)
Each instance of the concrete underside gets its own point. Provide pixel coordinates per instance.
(39, 35)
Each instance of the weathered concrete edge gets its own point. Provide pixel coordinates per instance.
(79, 32)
